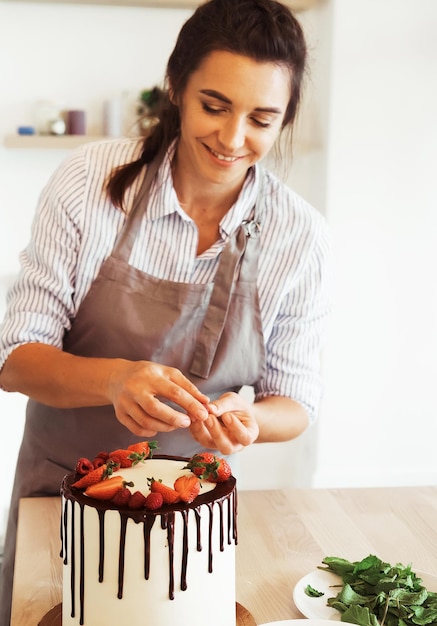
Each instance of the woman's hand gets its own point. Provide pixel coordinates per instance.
(135, 389)
(63, 380)
(230, 426)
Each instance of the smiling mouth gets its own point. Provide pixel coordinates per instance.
(222, 157)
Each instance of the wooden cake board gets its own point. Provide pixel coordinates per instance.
(54, 617)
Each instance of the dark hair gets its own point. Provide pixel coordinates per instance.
(263, 30)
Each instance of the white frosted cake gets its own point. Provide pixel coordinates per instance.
(167, 566)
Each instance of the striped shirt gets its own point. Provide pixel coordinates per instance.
(75, 227)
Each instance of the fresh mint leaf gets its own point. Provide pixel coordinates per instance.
(313, 593)
(375, 593)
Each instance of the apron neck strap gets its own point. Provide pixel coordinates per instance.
(126, 237)
(239, 261)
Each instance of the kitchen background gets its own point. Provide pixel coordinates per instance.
(366, 157)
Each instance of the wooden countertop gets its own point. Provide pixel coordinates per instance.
(282, 535)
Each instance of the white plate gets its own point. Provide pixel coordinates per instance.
(299, 622)
(316, 608)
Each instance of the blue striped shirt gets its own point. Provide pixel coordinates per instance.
(75, 227)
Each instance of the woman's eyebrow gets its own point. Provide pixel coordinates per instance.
(219, 96)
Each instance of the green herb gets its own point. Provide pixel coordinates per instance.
(375, 593)
(313, 593)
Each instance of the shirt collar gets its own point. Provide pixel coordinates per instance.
(163, 199)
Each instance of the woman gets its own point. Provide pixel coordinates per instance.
(165, 273)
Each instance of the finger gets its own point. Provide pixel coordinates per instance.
(195, 409)
(223, 436)
(136, 429)
(158, 417)
(189, 387)
(226, 402)
(201, 435)
(239, 430)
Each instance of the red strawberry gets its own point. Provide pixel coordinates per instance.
(121, 498)
(121, 457)
(154, 501)
(144, 447)
(83, 466)
(105, 489)
(137, 500)
(223, 472)
(208, 466)
(93, 477)
(169, 495)
(200, 462)
(188, 487)
(100, 459)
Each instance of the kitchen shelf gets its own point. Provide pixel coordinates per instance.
(59, 142)
(295, 5)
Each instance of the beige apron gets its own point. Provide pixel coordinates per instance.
(211, 332)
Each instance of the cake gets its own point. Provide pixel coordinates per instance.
(131, 558)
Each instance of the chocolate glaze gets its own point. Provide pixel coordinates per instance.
(223, 493)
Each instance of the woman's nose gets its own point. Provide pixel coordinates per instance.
(232, 135)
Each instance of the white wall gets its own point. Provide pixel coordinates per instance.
(373, 99)
(379, 421)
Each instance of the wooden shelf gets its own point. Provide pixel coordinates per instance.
(62, 142)
(295, 5)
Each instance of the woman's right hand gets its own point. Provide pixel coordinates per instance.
(136, 389)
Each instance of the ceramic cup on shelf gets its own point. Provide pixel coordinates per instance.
(76, 122)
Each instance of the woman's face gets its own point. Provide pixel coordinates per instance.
(231, 114)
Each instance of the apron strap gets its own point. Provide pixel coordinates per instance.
(126, 237)
(242, 249)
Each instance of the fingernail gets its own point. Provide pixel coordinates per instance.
(185, 422)
(202, 414)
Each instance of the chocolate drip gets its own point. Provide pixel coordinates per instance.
(64, 535)
(184, 551)
(101, 544)
(199, 537)
(224, 492)
(169, 523)
(234, 516)
(82, 565)
(121, 554)
(229, 522)
(210, 507)
(222, 533)
(73, 562)
(147, 529)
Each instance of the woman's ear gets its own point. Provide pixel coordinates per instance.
(171, 95)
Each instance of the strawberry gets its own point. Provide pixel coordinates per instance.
(83, 466)
(100, 459)
(188, 487)
(93, 477)
(222, 473)
(121, 457)
(208, 466)
(144, 447)
(122, 496)
(169, 495)
(154, 501)
(200, 461)
(126, 458)
(105, 489)
(137, 500)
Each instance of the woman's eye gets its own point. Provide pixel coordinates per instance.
(211, 109)
(260, 123)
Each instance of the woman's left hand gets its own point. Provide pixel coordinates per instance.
(230, 426)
